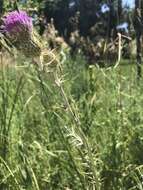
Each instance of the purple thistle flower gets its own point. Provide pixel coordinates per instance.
(16, 23)
(19, 31)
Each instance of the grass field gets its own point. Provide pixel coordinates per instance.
(79, 129)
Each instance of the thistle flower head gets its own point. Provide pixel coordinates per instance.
(19, 30)
(17, 23)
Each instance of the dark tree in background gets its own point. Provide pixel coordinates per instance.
(58, 10)
(119, 10)
(138, 25)
(1, 7)
(88, 15)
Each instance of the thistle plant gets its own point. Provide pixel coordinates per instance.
(19, 31)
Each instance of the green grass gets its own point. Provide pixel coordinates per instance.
(85, 133)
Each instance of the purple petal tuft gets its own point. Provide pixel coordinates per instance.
(17, 22)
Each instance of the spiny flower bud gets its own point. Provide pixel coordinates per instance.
(17, 23)
(19, 30)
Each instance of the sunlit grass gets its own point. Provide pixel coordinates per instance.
(95, 145)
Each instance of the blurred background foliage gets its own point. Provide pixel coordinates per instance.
(87, 26)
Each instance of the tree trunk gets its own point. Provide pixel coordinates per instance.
(119, 10)
(1, 7)
(138, 29)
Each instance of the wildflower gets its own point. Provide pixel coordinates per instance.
(72, 4)
(105, 8)
(123, 26)
(19, 30)
(17, 23)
